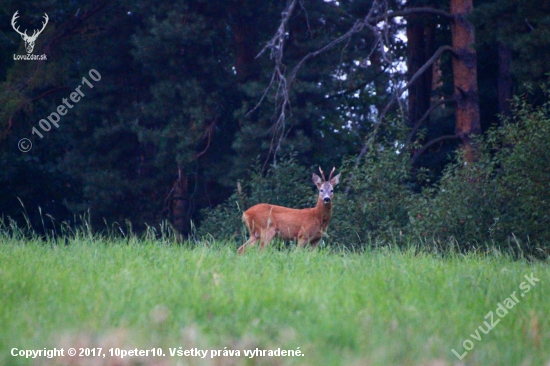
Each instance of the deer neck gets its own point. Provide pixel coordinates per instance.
(324, 211)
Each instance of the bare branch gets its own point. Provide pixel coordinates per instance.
(22, 105)
(282, 99)
(278, 38)
(355, 88)
(284, 81)
(430, 143)
(411, 11)
(397, 94)
(425, 117)
(428, 63)
(208, 134)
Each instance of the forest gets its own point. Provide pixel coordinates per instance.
(135, 135)
(132, 115)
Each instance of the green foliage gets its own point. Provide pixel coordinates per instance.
(178, 102)
(178, 83)
(458, 207)
(499, 200)
(523, 151)
(520, 25)
(372, 199)
(503, 196)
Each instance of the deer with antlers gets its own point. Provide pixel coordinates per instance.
(29, 40)
(307, 226)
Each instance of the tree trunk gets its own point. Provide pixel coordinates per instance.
(504, 79)
(245, 34)
(419, 50)
(465, 76)
(179, 207)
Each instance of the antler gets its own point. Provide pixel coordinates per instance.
(322, 174)
(13, 19)
(331, 172)
(43, 26)
(35, 34)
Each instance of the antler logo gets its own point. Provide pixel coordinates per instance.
(29, 40)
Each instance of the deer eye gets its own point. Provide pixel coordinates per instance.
(322, 191)
(332, 190)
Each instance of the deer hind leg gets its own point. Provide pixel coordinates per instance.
(251, 241)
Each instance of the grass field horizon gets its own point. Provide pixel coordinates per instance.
(379, 307)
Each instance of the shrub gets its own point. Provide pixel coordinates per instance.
(501, 199)
(504, 196)
(369, 201)
(461, 207)
(372, 199)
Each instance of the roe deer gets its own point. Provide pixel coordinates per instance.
(265, 221)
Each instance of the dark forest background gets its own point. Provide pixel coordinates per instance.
(435, 112)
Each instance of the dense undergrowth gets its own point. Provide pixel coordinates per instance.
(499, 201)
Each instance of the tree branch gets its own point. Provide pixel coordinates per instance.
(430, 143)
(10, 120)
(397, 94)
(405, 13)
(278, 38)
(425, 117)
(428, 63)
(354, 89)
(370, 21)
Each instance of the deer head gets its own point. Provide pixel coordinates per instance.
(29, 40)
(326, 187)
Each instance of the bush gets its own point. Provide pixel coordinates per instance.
(522, 148)
(372, 200)
(461, 207)
(501, 198)
(369, 201)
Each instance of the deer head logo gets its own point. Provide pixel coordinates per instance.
(29, 40)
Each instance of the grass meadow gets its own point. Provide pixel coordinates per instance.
(380, 307)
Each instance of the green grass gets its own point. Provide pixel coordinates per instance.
(385, 307)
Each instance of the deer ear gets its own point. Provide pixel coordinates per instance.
(334, 181)
(317, 180)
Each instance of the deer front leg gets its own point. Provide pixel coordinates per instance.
(314, 243)
(267, 235)
(303, 239)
